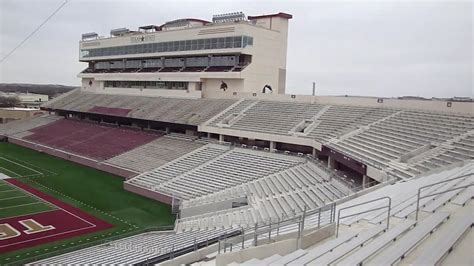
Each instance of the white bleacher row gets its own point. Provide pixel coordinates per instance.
(178, 166)
(404, 195)
(20, 128)
(283, 194)
(426, 242)
(155, 153)
(340, 119)
(134, 249)
(185, 111)
(386, 142)
(291, 179)
(212, 168)
(269, 116)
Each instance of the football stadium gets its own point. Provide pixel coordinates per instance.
(181, 146)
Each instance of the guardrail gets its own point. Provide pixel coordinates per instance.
(419, 197)
(102, 241)
(339, 217)
(325, 215)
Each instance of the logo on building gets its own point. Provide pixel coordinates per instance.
(143, 38)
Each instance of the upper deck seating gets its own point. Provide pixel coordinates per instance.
(89, 139)
(185, 111)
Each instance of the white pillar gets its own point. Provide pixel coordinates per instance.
(331, 163)
(364, 181)
(272, 145)
(221, 137)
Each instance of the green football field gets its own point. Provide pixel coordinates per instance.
(93, 191)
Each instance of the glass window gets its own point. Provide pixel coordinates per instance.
(207, 44)
(200, 44)
(229, 42)
(220, 43)
(182, 45)
(214, 43)
(188, 45)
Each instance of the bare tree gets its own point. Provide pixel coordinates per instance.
(9, 101)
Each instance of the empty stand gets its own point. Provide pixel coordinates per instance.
(185, 111)
(136, 249)
(89, 139)
(25, 125)
(155, 153)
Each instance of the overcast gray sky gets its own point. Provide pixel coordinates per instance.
(378, 48)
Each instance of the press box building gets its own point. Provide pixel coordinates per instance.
(190, 58)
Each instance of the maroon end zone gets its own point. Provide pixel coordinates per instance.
(64, 222)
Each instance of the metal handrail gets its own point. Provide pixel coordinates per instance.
(269, 225)
(371, 210)
(419, 197)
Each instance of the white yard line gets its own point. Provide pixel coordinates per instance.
(3, 158)
(21, 205)
(5, 169)
(17, 197)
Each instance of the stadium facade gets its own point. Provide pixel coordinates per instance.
(194, 114)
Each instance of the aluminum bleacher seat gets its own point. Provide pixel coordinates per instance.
(404, 244)
(436, 250)
(348, 246)
(155, 153)
(323, 249)
(368, 250)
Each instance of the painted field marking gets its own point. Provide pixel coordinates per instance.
(91, 225)
(20, 205)
(17, 197)
(3, 158)
(11, 172)
(10, 190)
(30, 164)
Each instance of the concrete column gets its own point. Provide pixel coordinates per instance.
(314, 152)
(221, 137)
(208, 135)
(364, 181)
(272, 145)
(331, 163)
(167, 130)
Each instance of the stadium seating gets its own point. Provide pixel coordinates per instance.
(135, 249)
(282, 194)
(21, 128)
(423, 242)
(185, 111)
(212, 168)
(82, 138)
(155, 153)
(385, 143)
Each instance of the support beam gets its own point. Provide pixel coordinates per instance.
(331, 163)
(272, 145)
(221, 137)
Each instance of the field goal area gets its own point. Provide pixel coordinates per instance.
(17, 168)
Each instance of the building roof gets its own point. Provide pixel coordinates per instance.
(280, 14)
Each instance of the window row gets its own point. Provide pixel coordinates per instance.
(188, 45)
(147, 85)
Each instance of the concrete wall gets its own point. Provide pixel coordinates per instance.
(148, 193)
(74, 158)
(211, 207)
(9, 114)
